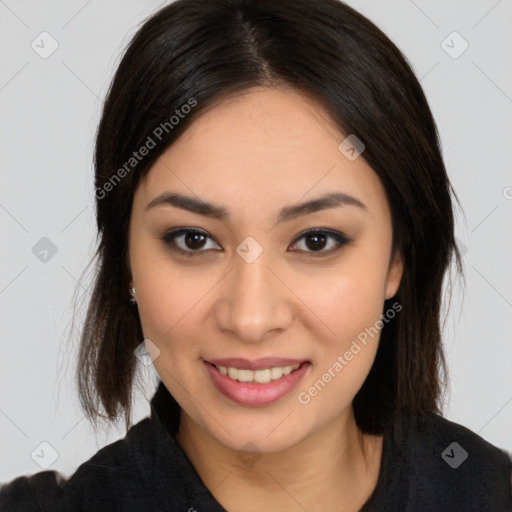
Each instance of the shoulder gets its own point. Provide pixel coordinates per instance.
(451, 466)
(96, 481)
(30, 493)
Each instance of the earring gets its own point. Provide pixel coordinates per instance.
(132, 298)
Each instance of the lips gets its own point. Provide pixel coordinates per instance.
(256, 382)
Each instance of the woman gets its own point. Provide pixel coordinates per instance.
(275, 223)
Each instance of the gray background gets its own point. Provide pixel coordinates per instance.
(49, 110)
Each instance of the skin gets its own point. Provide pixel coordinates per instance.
(253, 154)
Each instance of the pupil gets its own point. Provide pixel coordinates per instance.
(315, 245)
(193, 237)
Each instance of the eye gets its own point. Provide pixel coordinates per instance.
(189, 241)
(317, 241)
(191, 238)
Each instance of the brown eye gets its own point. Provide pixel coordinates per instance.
(317, 241)
(187, 240)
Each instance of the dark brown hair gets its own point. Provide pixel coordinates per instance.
(204, 50)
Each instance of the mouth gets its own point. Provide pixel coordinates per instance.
(263, 376)
(266, 382)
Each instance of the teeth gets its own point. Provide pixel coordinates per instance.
(244, 375)
(260, 376)
(276, 373)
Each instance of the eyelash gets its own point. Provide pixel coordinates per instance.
(340, 238)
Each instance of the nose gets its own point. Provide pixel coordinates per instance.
(255, 301)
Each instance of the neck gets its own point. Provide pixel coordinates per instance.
(337, 468)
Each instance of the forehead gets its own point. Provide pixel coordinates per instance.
(269, 122)
(270, 145)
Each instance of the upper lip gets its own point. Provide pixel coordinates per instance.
(255, 364)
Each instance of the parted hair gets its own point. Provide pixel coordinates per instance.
(204, 50)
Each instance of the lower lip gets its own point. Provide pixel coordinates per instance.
(249, 393)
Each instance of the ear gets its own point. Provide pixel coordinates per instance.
(394, 277)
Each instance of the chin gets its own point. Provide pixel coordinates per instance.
(269, 435)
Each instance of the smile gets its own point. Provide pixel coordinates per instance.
(265, 383)
(260, 376)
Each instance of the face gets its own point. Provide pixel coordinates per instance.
(259, 305)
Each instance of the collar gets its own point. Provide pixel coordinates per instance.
(165, 409)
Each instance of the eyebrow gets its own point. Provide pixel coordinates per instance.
(288, 213)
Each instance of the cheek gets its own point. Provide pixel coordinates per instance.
(166, 295)
(350, 300)
(167, 304)
(351, 309)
